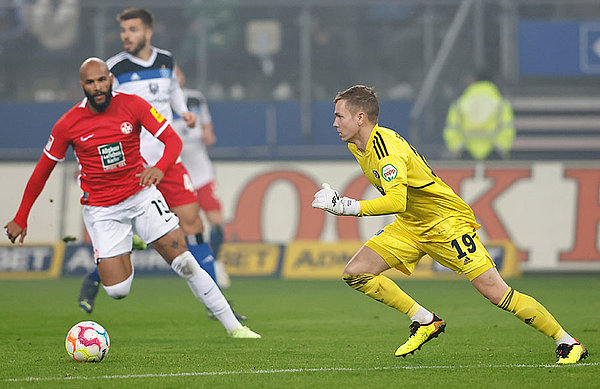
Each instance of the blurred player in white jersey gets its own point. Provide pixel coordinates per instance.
(119, 194)
(148, 72)
(199, 166)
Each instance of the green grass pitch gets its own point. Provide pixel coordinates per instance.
(316, 334)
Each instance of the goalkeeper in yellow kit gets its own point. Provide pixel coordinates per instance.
(430, 219)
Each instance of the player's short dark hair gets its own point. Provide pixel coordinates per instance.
(360, 97)
(137, 13)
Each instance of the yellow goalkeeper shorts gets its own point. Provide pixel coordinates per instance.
(463, 253)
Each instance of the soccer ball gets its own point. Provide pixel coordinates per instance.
(87, 341)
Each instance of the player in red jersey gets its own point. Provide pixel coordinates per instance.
(119, 194)
(147, 71)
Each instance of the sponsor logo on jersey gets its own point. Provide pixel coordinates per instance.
(153, 88)
(376, 173)
(112, 155)
(389, 172)
(84, 138)
(159, 118)
(49, 144)
(135, 77)
(126, 128)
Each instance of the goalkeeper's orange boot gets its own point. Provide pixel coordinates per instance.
(421, 334)
(570, 353)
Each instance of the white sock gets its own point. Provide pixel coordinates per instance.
(423, 316)
(205, 289)
(566, 338)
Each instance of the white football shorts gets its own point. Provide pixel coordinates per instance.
(111, 228)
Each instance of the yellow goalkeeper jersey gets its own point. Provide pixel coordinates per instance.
(424, 205)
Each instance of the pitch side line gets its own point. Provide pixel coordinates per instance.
(281, 371)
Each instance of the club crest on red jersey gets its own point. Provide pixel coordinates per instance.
(126, 128)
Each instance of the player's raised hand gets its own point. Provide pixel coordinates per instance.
(151, 176)
(329, 200)
(14, 231)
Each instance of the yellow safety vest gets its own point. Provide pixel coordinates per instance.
(480, 120)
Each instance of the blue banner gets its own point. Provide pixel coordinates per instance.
(32, 261)
(559, 48)
(79, 260)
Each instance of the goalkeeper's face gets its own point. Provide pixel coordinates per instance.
(346, 122)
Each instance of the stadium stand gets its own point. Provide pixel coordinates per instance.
(549, 124)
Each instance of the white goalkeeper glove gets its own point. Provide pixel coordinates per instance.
(329, 200)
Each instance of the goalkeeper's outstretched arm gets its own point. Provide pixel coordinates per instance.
(391, 203)
(394, 201)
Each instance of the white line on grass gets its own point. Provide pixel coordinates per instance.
(281, 371)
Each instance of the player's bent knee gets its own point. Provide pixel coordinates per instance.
(120, 290)
(350, 271)
(185, 265)
(357, 281)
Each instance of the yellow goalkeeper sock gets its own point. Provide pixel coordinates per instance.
(383, 290)
(531, 312)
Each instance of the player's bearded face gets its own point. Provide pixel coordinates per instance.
(134, 35)
(135, 47)
(94, 96)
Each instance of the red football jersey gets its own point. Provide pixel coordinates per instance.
(107, 146)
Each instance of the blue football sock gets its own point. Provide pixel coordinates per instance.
(216, 239)
(204, 257)
(94, 276)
